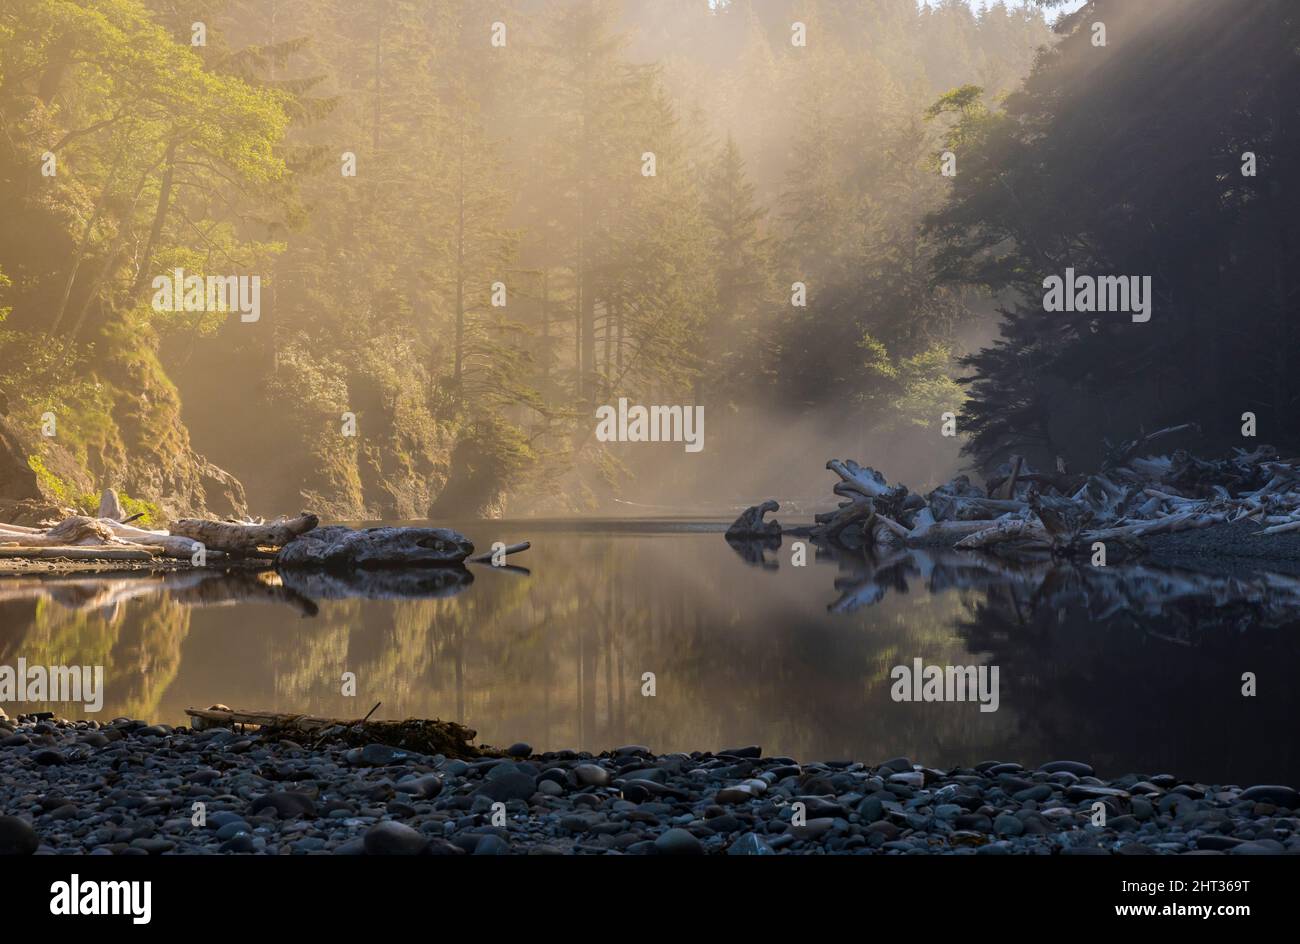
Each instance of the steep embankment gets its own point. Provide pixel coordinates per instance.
(121, 428)
(349, 437)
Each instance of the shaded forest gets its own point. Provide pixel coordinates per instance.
(1165, 153)
(475, 221)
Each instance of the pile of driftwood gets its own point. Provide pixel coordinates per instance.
(1026, 511)
(111, 536)
(289, 542)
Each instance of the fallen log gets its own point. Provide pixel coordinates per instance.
(928, 531)
(170, 544)
(78, 529)
(1184, 521)
(1293, 525)
(957, 508)
(80, 553)
(427, 737)
(20, 529)
(1001, 532)
(244, 538)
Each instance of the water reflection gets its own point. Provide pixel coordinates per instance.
(1131, 667)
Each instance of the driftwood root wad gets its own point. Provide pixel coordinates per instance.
(750, 525)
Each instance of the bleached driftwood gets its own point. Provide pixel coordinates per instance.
(171, 544)
(1282, 528)
(957, 508)
(244, 538)
(80, 553)
(1185, 521)
(861, 481)
(78, 529)
(1007, 529)
(928, 531)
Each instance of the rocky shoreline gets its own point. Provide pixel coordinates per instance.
(129, 788)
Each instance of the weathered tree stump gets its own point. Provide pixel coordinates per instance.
(751, 525)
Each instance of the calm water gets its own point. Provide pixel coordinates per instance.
(1131, 670)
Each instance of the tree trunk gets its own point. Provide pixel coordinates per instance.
(159, 219)
(81, 246)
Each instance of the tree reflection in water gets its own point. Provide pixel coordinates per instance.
(1131, 667)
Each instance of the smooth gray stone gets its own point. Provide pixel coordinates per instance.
(678, 842)
(426, 787)
(1275, 794)
(1007, 825)
(287, 804)
(1258, 847)
(512, 785)
(390, 838)
(591, 775)
(17, 837)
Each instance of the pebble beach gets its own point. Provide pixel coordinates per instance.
(127, 787)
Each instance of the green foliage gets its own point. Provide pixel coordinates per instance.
(51, 485)
(928, 388)
(151, 515)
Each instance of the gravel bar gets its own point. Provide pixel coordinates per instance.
(130, 788)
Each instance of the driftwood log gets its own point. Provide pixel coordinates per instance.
(244, 537)
(79, 553)
(413, 734)
(926, 530)
(79, 529)
(293, 543)
(96, 539)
